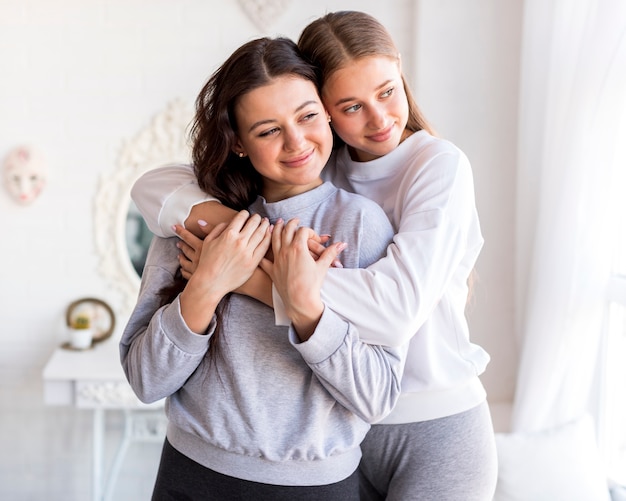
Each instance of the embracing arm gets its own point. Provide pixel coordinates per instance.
(170, 201)
(432, 255)
(170, 195)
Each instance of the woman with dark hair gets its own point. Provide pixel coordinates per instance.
(438, 442)
(261, 411)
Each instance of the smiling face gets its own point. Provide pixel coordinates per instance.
(283, 128)
(368, 106)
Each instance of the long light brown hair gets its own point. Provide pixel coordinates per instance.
(334, 40)
(337, 39)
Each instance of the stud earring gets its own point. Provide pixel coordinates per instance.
(329, 119)
(241, 154)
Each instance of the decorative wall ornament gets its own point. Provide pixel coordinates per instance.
(25, 174)
(163, 142)
(263, 13)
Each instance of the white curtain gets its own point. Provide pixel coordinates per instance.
(572, 108)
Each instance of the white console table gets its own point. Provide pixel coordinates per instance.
(93, 379)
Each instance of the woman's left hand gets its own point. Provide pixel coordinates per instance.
(229, 256)
(297, 276)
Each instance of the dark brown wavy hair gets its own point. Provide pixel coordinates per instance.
(334, 40)
(220, 172)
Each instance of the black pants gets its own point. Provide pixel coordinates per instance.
(182, 479)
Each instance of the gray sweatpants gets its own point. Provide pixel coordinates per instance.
(446, 459)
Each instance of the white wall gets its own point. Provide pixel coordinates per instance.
(467, 72)
(79, 78)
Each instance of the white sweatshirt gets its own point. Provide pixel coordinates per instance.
(418, 291)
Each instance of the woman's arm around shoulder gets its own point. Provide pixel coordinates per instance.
(170, 195)
(435, 248)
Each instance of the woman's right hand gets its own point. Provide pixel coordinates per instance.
(229, 255)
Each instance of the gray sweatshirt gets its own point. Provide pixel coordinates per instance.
(263, 406)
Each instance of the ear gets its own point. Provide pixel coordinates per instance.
(238, 149)
(328, 117)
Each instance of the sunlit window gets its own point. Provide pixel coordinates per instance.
(613, 400)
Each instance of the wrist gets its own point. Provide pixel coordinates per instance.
(197, 306)
(305, 323)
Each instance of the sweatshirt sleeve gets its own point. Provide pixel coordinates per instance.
(158, 352)
(363, 378)
(438, 240)
(165, 197)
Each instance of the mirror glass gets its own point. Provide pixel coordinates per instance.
(138, 238)
(122, 237)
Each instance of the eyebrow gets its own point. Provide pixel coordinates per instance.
(348, 99)
(272, 120)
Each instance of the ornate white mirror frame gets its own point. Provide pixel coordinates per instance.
(163, 142)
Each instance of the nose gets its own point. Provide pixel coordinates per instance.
(376, 117)
(294, 138)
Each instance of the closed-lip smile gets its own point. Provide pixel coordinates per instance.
(299, 160)
(382, 135)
